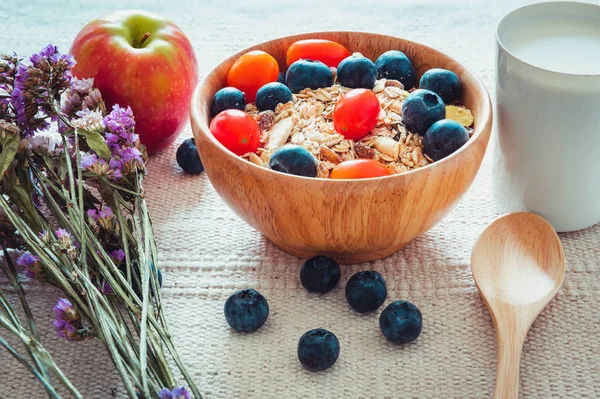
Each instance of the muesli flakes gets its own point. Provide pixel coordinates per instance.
(308, 121)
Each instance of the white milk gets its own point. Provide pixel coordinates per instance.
(560, 44)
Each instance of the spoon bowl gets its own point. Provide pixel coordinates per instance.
(518, 265)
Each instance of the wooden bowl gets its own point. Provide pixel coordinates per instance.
(351, 221)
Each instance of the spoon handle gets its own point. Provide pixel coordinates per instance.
(510, 345)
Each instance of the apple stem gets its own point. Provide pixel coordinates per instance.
(144, 38)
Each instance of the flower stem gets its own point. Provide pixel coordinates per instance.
(69, 171)
(82, 242)
(47, 386)
(35, 348)
(15, 282)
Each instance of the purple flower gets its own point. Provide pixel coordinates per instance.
(105, 217)
(120, 120)
(64, 238)
(19, 100)
(176, 393)
(63, 234)
(66, 317)
(37, 86)
(106, 212)
(93, 214)
(116, 167)
(122, 142)
(112, 169)
(62, 307)
(50, 54)
(27, 259)
(44, 236)
(131, 154)
(30, 263)
(87, 160)
(68, 322)
(112, 140)
(131, 159)
(131, 139)
(118, 256)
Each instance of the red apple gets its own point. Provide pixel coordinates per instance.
(143, 61)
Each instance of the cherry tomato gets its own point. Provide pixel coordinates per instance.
(237, 131)
(356, 113)
(359, 169)
(328, 52)
(252, 71)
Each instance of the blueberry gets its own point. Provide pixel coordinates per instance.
(320, 274)
(401, 322)
(318, 349)
(395, 64)
(227, 98)
(357, 71)
(271, 94)
(421, 109)
(307, 73)
(281, 77)
(295, 160)
(188, 158)
(246, 310)
(443, 82)
(443, 138)
(366, 291)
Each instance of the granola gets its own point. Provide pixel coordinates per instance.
(308, 121)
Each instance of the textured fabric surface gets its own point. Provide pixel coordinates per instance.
(206, 252)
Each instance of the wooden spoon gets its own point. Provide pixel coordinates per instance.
(518, 265)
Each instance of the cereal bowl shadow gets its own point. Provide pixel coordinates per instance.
(351, 221)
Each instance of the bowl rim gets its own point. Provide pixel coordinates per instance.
(554, 5)
(487, 114)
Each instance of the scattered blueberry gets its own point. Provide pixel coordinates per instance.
(421, 109)
(307, 73)
(443, 82)
(227, 98)
(281, 77)
(271, 94)
(295, 160)
(320, 274)
(246, 310)
(443, 138)
(188, 158)
(366, 291)
(395, 64)
(356, 72)
(401, 322)
(318, 349)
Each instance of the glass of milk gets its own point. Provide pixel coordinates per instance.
(547, 157)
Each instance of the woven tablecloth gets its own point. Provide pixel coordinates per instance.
(206, 252)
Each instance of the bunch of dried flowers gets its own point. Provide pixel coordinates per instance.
(72, 206)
